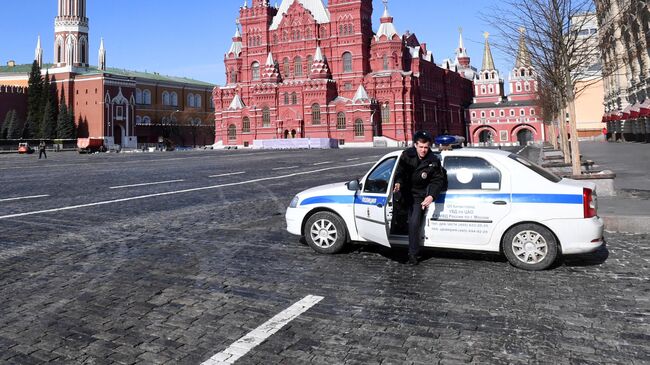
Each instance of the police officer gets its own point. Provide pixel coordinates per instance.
(419, 178)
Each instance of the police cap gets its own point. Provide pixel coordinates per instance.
(422, 136)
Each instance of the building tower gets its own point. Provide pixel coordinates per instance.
(523, 78)
(38, 53)
(71, 34)
(462, 58)
(488, 87)
(101, 57)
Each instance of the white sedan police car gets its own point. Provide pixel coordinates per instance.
(494, 202)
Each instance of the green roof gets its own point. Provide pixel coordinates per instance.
(26, 68)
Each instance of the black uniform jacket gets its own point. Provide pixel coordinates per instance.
(420, 178)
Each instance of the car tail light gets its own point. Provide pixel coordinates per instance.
(589, 203)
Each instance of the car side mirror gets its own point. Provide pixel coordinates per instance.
(354, 185)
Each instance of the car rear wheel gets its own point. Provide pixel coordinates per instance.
(530, 246)
(325, 232)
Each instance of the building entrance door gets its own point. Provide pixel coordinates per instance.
(524, 136)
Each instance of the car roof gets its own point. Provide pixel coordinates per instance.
(462, 152)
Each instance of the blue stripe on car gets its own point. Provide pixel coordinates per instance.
(514, 198)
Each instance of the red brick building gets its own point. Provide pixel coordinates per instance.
(125, 108)
(306, 70)
(500, 120)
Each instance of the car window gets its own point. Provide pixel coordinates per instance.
(536, 168)
(378, 180)
(464, 172)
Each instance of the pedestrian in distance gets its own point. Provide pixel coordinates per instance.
(419, 179)
(605, 134)
(41, 150)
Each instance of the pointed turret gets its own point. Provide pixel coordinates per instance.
(237, 103)
(488, 61)
(38, 53)
(523, 54)
(236, 46)
(361, 95)
(101, 59)
(387, 28)
(319, 69)
(462, 58)
(271, 72)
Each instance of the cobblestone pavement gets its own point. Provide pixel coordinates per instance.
(175, 279)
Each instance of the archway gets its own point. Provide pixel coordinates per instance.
(486, 136)
(286, 134)
(293, 133)
(524, 136)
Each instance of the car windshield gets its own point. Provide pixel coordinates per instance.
(548, 175)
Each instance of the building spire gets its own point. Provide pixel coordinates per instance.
(488, 61)
(523, 54)
(101, 63)
(236, 46)
(387, 28)
(319, 69)
(462, 58)
(38, 53)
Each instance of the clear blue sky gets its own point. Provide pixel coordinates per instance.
(189, 38)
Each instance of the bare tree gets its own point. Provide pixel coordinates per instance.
(563, 56)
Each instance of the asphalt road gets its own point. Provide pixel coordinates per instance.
(98, 268)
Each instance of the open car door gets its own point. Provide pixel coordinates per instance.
(371, 202)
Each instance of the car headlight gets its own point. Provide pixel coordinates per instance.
(294, 202)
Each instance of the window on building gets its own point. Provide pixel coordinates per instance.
(233, 76)
(232, 132)
(146, 97)
(347, 62)
(255, 70)
(211, 103)
(119, 113)
(246, 125)
(512, 112)
(502, 113)
(473, 114)
(297, 67)
(197, 101)
(385, 114)
(266, 117)
(483, 91)
(138, 120)
(286, 98)
(492, 113)
(518, 87)
(385, 62)
(294, 98)
(138, 96)
(522, 112)
(286, 68)
(527, 87)
(146, 120)
(315, 114)
(166, 98)
(532, 112)
(190, 100)
(482, 114)
(491, 89)
(340, 120)
(310, 61)
(358, 128)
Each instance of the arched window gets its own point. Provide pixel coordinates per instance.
(532, 112)
(512, 112)
(518, 87)
(266, 117)
(197, 122)
(166, 98)
(246, 125)
(482, 114)
(483, 89)
(190, 100)
(522, 112)
(340, 120)
(385, 62)
(310, 61)
(502, 113)
(286, 98)
(297, 67)
(233, 76)
(473, 114)
(358, 128)
(294, 98)
(174, 99)
(385, 114)
(491, 89)
(287, 68)
(138, 96)
(58, 54)
(197, 101)
(138, 120)
(146, 97)
(492, 113)
(232, 132)
(347, 62)
(146, 120)
(315, 114)
(527, 87)
(522, 72)
(255, 67)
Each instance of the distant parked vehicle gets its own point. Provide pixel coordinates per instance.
(90, 145)
(25, 148)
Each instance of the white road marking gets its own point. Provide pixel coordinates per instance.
(353, 159)
(229, 174)
(254, 338)
(23, 198)
(285, 168)
(146, 184)
(323, 163)
(180, 191)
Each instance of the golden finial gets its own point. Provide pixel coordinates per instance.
(486, 35)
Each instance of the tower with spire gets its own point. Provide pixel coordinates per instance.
(101, 57)
(71, 34)
(463, 61)
(233, 60)
(523, 78)
(488, 85)
(38, 53)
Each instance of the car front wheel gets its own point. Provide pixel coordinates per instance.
(530, 246)
(325, 232)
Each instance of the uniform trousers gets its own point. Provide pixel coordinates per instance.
(416, 213)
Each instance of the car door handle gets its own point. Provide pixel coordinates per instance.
(499, 202)
(380, 205)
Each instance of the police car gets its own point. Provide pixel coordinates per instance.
(494, 201)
